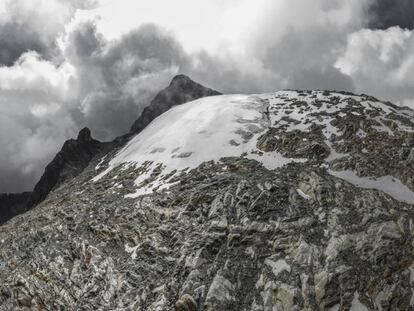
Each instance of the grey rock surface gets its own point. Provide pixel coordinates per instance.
(233, 234)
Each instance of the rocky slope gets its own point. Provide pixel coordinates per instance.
(284, 201)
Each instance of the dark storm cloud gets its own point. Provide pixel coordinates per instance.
(287, 48)
(33, 26)
(306, 59)
(118, 78)
(15, 39)
(387, 13)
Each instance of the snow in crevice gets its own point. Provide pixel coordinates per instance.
(382, 127)
(388, 184)
(334, 155)
(277, 266)
(378, 106)
(335, 308)
(412, 285)
(361, 133)
(303, 195)
(356, 304)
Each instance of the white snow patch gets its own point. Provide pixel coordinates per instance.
(273, 160)
(388, 184)
(383, 129)
(98, 166)
(302, 194)
(277, 266)
(407, 112)
(334, 155)
(371, 105)
(250, 251)
(361, 133)
(330, 129)
(131, 250)
(412, 285)
(356, 304)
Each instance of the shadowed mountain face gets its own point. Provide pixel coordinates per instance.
(181, 90)
(74, 156)
(68, 163)
(13, 204)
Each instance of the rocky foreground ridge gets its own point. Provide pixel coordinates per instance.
(294, 200)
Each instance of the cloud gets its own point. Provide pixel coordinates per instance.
(33, 26)
(293, 44)
(388, 13)
(32, 122)
(381, 62)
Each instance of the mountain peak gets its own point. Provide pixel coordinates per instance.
(84, 135)
(68, 163)
(181, 90)
(181, 79)
(183, 82)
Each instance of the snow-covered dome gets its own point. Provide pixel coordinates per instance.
(212, 128)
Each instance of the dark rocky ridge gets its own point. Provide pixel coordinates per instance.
(181, 90)
(75, 155)
(12, 204)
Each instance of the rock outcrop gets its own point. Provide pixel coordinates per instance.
(74, 156)
(309, 208)
(181, 90)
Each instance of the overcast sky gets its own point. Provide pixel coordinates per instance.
(66, 64)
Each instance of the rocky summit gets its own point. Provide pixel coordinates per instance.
(294, 200)
(181, 90)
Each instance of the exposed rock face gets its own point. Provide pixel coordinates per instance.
(327, 227)
(74, 156)
(12, 204)
(181, 90)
